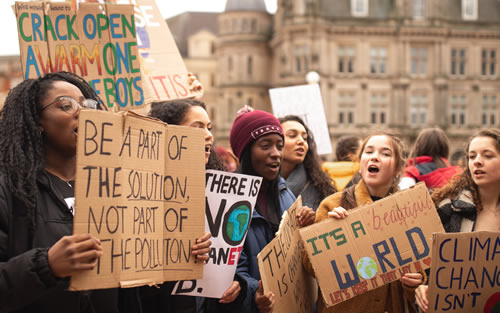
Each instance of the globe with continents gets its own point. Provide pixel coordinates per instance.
(367, 268)
(237, 223)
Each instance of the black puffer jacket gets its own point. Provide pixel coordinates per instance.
(26, 282)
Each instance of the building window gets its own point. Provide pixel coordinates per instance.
(418, 61)
(231, 110)
(378, 60)
(229, 64)
(249, 66)
(488, 62)
(418, 109)
(235, 25)
(254, 25)
(458, 110)
(418, 9)
(301, 59)
(458, 61)
(378, 104)
(244, 26)
(489, 112)
(346, 60)
(359, 8)
(469, 10)
(346, 108)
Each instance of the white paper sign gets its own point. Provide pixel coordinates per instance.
(230, 200)
(304, 101)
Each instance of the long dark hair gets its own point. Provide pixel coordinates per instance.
(272, 192)
(318, 178)
(21, 145)
(348, 199)
(174, 112)
(465, 181)
(431, 142)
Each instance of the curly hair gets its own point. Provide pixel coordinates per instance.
(174, 112)
(431, 142)
(465, 181)
(348, 200)
(318, 178)
(22, 155)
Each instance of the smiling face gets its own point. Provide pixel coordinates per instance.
(266, 154)
(60, 128)
(296, 146)
(377, 165)
(484, 161)
(197, 117)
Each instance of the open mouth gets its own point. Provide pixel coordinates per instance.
(373, 169)
(76, 130)
(479, 172)
(274, 166)
(207, 148)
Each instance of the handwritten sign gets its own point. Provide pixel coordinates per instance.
(230, 202)
(163, 72)
(304, 101)
(465, 272)
(375, 245)
(97, 42)
(281, 269)
(139, 189)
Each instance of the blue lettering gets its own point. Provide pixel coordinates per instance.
(349, 282)
(31, 61)
(418, 231)
(59, 36)
(93, 27)
(381, 255)
(398, 255)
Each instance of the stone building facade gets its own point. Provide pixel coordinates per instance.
(397, 65)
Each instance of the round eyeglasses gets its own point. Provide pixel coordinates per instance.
(70, 105)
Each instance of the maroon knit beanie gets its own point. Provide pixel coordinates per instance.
(249, 126)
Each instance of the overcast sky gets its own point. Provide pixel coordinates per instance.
(168, 8)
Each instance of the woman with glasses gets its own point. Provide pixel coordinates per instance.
(39, 129)
(38, 253)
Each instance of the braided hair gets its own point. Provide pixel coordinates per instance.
(22, 155)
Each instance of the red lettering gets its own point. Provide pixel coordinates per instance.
(336, 297)
(234, 253)
(376, 220)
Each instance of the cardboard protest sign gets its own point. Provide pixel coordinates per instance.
(163, 72)
(304, 101)
(97, 42)
(281, 270)
(140, 190)
(230, 200)
(375, 245)
(465, 272)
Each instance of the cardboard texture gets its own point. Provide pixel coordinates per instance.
(281, 269)
(230, 200)
(163, 72)
(97, 42)
(140, 190)
(465, 272)
(304, 101)
(375, 245)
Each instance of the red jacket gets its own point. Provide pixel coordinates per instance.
(426, 170)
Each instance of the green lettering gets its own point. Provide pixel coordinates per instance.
(21, 29)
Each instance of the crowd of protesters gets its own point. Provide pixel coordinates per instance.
(39, 253)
